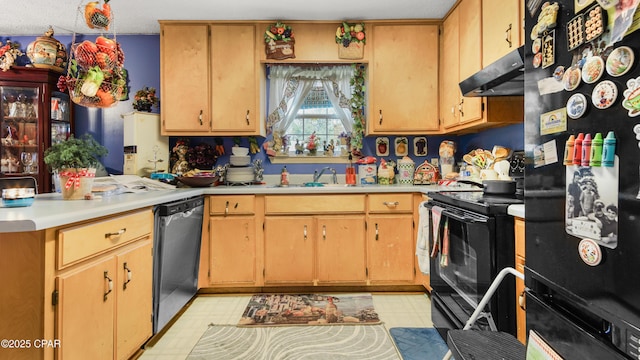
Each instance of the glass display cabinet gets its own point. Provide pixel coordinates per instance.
(33, 116)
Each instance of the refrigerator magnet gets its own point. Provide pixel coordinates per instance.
(604, 94)
(577, 106)
(571, 78)
(590, 252)
(631, 95)
(549, 49)
(620, 61)
(592, 69)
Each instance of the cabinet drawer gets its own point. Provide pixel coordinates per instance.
(390, 203)
(82, 241)
(314, 204)
(230, 205)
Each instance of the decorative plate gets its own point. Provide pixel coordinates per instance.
(537, 60)
(592, 69)
(576, 105)
(571, 78)
(590, 252)
(536, 46)
(620, 61)
(604, 94)
(558, 73)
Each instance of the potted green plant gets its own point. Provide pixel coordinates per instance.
(74, 160)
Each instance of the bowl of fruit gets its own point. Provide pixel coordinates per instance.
(198, 178)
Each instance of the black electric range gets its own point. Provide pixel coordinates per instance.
(477, 201)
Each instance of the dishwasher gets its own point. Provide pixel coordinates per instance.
(176, 257)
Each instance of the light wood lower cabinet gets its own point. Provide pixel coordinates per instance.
(93, 298)
(288, 250)
(233, 250)
(390, 255)
(341, 253)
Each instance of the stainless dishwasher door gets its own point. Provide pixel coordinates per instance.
(178, 229)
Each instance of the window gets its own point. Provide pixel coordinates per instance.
(316, 115)
(309, 102)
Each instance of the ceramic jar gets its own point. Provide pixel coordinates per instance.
(47, 52)
(405, 171)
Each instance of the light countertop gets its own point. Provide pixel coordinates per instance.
(50, 210)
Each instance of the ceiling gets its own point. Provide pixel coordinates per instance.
(33, 17)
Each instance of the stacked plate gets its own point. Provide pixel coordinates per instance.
(240, 174)
(239, 160)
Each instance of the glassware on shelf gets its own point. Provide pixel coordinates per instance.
(27, 161)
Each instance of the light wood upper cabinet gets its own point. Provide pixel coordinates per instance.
(462, 46)
(211, 79)
(184, 78)
(403, 79)
(461, 43)
(234, 79)
(501, 28)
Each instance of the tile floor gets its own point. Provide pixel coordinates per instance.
(395, 310)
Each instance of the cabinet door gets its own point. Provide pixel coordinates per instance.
(341, 251)
(390, 248)
(234, 79)
(501, 28)
(288, 249)
(470, 59)
(85, 313)
(449, 71)
(232, 250)
(184, 75)
(521, 314)
(404, 79)
(134, 298)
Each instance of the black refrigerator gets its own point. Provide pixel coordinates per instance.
(582, 200)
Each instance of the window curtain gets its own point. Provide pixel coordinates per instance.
(289, 85)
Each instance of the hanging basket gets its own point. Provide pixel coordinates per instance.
(280, 50)
(355, 50)
(106, 96)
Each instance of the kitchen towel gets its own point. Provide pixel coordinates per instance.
(422, 241)
(436, 214)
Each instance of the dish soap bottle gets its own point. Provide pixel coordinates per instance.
(284, 177)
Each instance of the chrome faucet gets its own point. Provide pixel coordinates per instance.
(316, 174)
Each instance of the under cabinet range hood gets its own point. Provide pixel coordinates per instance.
(504, 77)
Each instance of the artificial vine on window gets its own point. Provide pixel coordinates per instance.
(357, 107)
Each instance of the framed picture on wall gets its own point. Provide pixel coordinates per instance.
(420, 146)
(401, 146)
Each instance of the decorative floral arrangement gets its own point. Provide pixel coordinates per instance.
(278, 31)
(202, 156)
(346, 34)
(144, 99)
(313, 143)
(8, 54)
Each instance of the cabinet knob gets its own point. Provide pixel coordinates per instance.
(391, 203)
(324, 232)
(522, 301)
(507, 35)
(305, 233)
(247, 118)
(380, 116)
(376, 231)
(200, 117)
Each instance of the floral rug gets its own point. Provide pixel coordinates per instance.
(309, 309)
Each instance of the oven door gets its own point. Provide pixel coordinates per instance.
(470, 264)
(479, 246)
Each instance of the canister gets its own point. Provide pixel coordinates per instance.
(406, 168)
